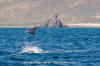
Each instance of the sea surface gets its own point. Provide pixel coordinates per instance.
(50, 47)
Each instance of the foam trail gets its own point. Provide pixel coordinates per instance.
(32, 49)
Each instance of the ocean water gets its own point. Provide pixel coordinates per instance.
(50, 47)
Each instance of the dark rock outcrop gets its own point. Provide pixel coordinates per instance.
(53, 22)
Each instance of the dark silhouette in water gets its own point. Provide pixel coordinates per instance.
(32, 31)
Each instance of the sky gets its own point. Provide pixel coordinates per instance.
(29, 12)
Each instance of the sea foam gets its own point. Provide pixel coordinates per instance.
(32, 49)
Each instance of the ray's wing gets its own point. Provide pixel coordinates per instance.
(32, 31)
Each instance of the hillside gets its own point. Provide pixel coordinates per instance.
(35, 12)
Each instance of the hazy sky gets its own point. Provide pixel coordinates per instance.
(37, 11)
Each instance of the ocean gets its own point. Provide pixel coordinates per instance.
(50, 47)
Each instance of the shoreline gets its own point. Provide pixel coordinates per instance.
(15, 26)
(80, 25)
(84, 25)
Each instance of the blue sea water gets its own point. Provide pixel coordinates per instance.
(50, 47)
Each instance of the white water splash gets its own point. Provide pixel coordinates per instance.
(32, 49)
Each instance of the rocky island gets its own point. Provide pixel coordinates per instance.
(53, 22)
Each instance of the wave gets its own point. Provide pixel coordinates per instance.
(28, 48)
(32, 49)
(35, 49)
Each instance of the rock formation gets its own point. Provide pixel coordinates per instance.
(53, 22)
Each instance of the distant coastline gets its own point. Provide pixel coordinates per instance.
(84, 25)
(78, 25)
(13, 26)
